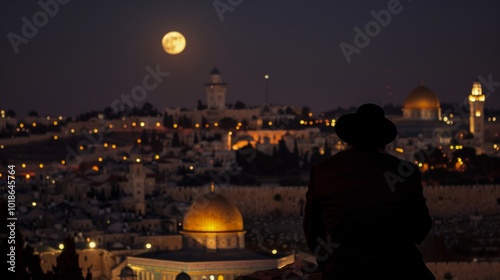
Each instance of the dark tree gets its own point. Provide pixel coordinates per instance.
(33, 113)
(239, 105)
(10, 113)
(67, 266)
(228, 123)
(200, 105)
(168, 120)
(144, 138)
(176, 142)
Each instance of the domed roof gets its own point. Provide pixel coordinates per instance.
(215, 71)
(421, 98)
(182, 276)
(213, 212)
(127, 272)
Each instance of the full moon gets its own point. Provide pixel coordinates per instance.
(173, 42)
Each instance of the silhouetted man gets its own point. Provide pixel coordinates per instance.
(365, 211)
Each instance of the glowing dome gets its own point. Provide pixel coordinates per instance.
(213, 212)
(422, 98)
(422, 104)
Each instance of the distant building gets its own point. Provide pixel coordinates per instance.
(216, 108)
(422, 104)
(476, 102)
(214, 246)
(422, 117)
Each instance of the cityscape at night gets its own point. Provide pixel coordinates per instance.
(159, 141)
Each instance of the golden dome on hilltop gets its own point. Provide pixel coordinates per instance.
(421, 98)
(213, 212)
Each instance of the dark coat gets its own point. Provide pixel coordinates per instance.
(364, 215)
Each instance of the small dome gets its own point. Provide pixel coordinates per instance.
(421, 98)
(213, 212)
(182, 276)
(215, 71)
(127, 272)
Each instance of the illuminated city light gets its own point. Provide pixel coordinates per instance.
(197, 125)
(158, 124)
(56, 137)
(55, 123)
(92, 244)
(274, 251)
(96, 130)
(124, 158)
(142, 124)
(72, 130)
(105, 145)
(157, 157)
(99, 159)
(137, 160)
(148, 246)
(40, 165)
(63, 162)
(216, 124)
(61, 246)
(113, 146)
(34, 124)
(175, 125)
(23, 165)
(28, 176)
(21, 125)
(139, 141)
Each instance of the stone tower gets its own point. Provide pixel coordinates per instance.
(476, 102)
(216, 91)
(136, 180)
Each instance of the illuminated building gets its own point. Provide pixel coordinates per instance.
(422, 104)
(476, 102)
(214, 246)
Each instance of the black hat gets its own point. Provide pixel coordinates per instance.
(368, 127)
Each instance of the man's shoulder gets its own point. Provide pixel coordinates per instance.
(337, 157)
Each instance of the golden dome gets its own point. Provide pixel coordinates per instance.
(421, 98)
(213, 212)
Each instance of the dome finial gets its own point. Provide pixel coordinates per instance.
(421, 82)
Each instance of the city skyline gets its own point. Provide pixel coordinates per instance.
(88, 54)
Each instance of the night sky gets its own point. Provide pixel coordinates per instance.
(91, 52)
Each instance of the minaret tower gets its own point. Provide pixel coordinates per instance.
(476, 102)
(136, 179)
(216, 91)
